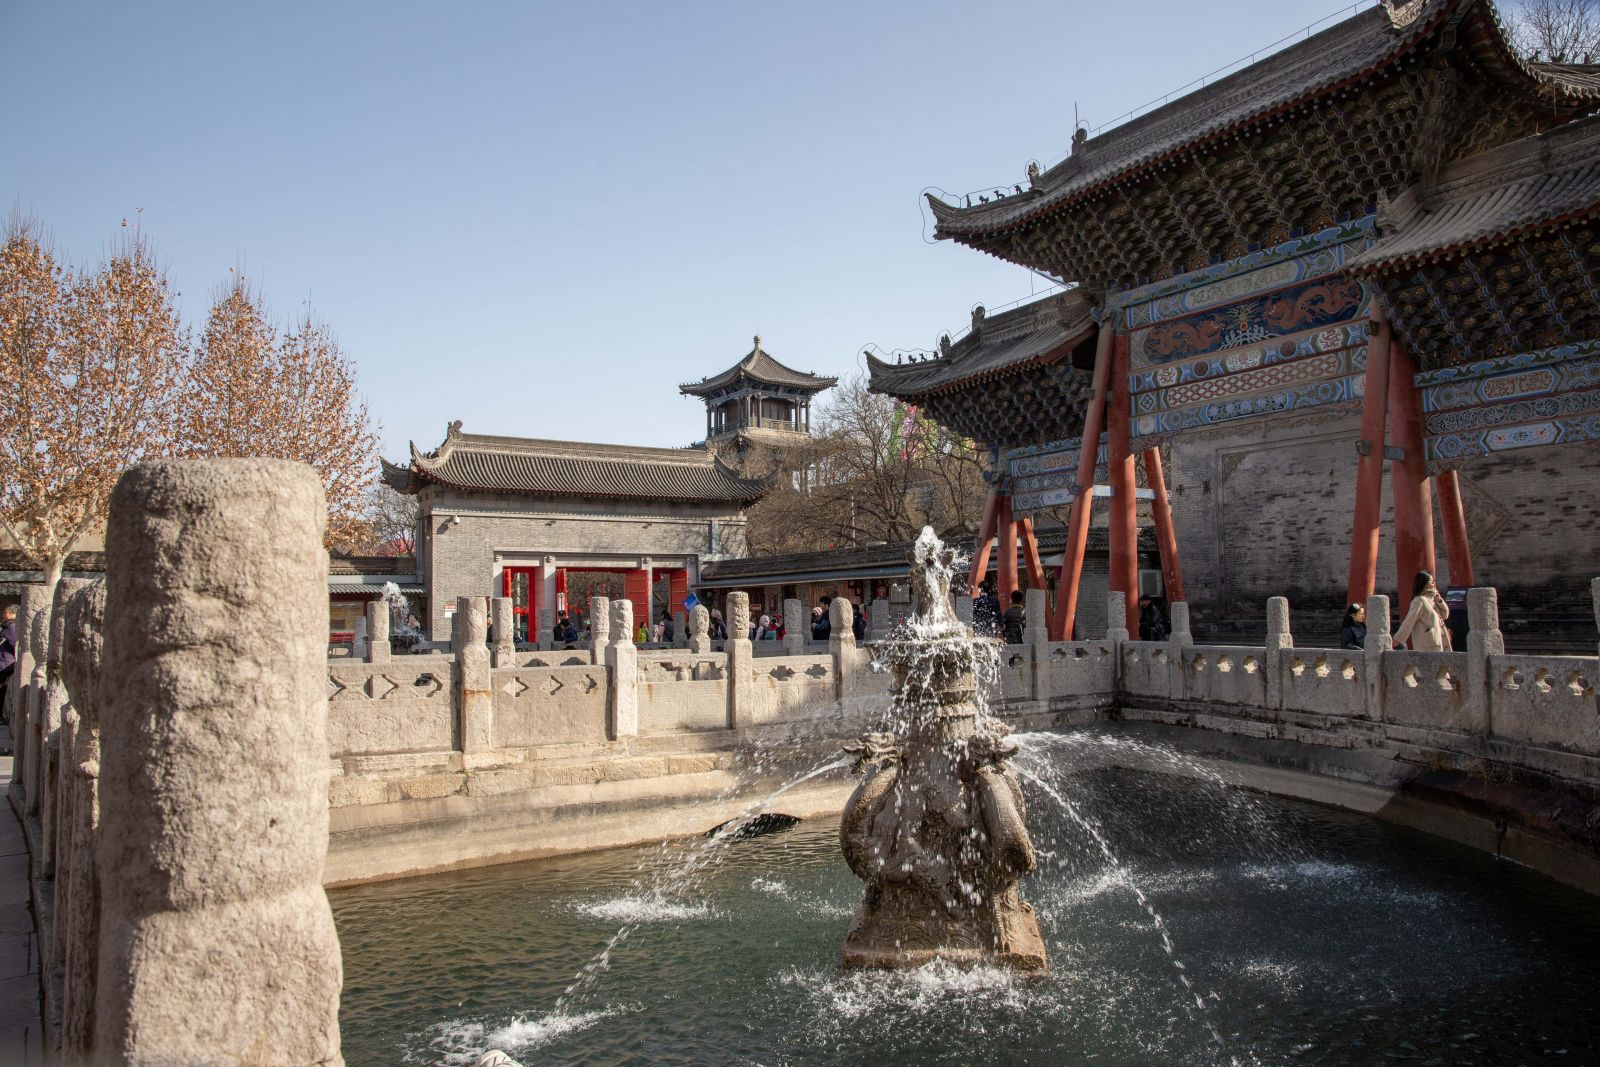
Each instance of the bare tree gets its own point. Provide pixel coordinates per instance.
(392, 519)
(254, 392)
(1557, 31)
(93, 367)
(875, 471)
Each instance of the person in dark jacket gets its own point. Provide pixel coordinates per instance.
(1152, 625)
(858, 624)
(1353, 634)
(821, 625)
(666, 625)
(1016, 618)
(8, 649)
(719, 628)
(986, 612)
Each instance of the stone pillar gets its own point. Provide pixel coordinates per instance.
(544, 639)
(700, 630)
(741, 662)
(378, 649)
(680, 630)
(77, 907)
(963, 610)
(1483, 640)
(38, 644)
(1179, 639)
(359, 646)
(622, 659)
(1116, 628)
(1278, 639)
(599, 629)
(796, 628)
(505, 632)
(216, 941)
(547, 606)
(1036, 635)
(34, 599)
(842, 645)
(879, 625)
(1379, 640)
(53, 719)
(474, 685)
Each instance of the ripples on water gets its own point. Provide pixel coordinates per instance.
(1314, 936)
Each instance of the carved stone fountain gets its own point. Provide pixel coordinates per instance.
(937, 827)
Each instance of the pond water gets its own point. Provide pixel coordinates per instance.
(1298, 935)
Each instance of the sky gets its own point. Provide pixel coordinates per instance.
(541, 218)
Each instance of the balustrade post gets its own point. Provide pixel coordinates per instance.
(599, 629)
(878, 624)
(1379, 640)
(77, 908)
(216, 941)
(1036, 635)
(700, 630)
(1117, 631)
(1179, 639)
(359, 646)
(741, 667)
(378, 650)
(1279, 638)
(1484, 639)
(842, 645)
(796, 628)
(38, 639)
(622, 659)
(505, 631)
(474, 684)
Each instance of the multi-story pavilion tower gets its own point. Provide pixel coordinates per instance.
(757, 399)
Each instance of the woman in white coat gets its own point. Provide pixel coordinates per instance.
(1424, 622)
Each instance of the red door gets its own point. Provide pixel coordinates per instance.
(521, 586)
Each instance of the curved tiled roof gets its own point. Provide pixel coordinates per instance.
(1492, 197)
(1323, 63)
(761, 367)
(568, 468)
(1040, 332)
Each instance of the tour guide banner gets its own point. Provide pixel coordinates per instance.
(1278, 330)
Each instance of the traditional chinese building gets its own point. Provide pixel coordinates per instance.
(1376, 246)
(512, 516)
(757, 400)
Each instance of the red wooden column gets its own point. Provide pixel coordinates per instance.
(1071, 576)
(1365, 534)
(1006, 579)
(1124, 482)
(1030, 553)
(1453, 517)
(980, 550)
(1413, 489)
(1166, 535)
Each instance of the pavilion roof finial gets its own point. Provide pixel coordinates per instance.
(758, 342)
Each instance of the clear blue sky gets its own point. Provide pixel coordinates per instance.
(539, 218)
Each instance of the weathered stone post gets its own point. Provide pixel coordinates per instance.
(680, 630)
(38, 644)
(599, 629)
(216, 941)
(796, 629)
(741, 662)
(378, 650)
(1484, 639)
(1278, 638)
(842, 645)
(700, 630)
(52, 718)
(622, 659)
(878, 619)
(545, 640)
(1117, 629)
(77, 910)
(963, 610)
(505, 632)
(474, 683)
(359, 645)
(1379, 640)
(34, 599)
(1036, 635)
(1179, 639)
(1594, 595)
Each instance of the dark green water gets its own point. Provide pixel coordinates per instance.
(1310, 936)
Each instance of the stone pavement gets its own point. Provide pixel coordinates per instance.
(20, 1026)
